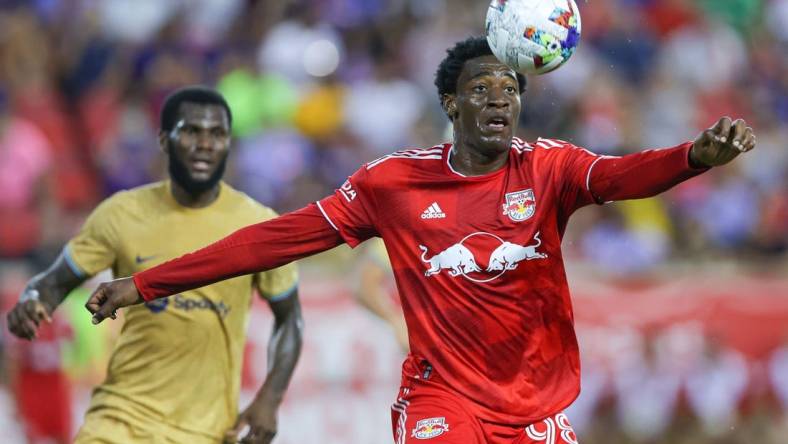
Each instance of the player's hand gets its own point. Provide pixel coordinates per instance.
(722, 142)
(110, 296)
(259, 419)
(26, 316)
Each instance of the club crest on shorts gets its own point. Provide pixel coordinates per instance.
(430, 428)
(520, 205)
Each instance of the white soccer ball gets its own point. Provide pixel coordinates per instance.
(533, 36)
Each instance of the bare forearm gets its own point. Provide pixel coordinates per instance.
(55, 283)
(640, 175)
(284, 348)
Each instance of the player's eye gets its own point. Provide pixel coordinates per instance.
(511, 89)
(479, 88)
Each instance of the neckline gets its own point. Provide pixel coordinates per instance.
(448, 169)
(175, 204)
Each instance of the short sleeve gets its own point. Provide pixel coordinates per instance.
(94, 248)
(279, 283)
(572, 172)
(351, 209)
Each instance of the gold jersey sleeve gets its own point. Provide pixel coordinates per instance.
(95, 247)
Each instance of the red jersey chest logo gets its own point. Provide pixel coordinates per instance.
(520, 205)
(480, 257)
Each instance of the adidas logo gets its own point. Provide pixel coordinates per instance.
(433, 212)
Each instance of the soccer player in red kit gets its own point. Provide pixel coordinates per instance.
(473, 229)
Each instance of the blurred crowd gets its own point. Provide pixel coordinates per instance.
(318, 87)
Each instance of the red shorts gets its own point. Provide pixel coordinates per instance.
(426, 411)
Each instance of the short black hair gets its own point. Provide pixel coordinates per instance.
(199, 94)
(450, 68)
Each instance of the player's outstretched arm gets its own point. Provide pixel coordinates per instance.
(284, 348)
(256, 248)
(648, 173)
(41, 296)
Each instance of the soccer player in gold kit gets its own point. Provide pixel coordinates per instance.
(174, 375)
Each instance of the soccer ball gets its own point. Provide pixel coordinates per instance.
(533, 36)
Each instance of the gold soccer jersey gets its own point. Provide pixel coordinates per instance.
(177, 361)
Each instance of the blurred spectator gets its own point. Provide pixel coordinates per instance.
(381, 110)
(716, 386)
(25, 158)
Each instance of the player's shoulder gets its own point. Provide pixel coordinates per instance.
(406, 159)
(242, 205)
(133, 199)
(543, 144)
(548, 147)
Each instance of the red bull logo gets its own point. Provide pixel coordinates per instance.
(430, 428)
(480, 257)
(520, 205)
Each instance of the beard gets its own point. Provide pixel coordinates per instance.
(180, 174)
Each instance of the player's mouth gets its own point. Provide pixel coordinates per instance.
(496, 123)
(201, 165)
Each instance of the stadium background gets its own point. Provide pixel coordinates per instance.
(681, 301)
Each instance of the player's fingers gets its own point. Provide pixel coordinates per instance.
(106, 310)
(750, 143)
(96, 299)
(255, 436)
(268, 437)
(24, 327)
(13, 323)
(249, 438)
(708, 136)
(748, 140)
(41, 313)
(31, 311)
(100, 304)
(18, 325)
(29, 329)
(736, 135)
(231, 436)
(722, 129)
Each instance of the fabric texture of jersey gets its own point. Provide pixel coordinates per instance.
(178, 360)
(482, 279)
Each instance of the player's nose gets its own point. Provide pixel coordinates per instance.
(204, 142)
(497, 98)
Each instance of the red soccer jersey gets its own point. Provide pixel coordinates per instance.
(477, 260)
(478, 265)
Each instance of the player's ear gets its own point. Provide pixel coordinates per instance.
(450, 105)
(163, 145)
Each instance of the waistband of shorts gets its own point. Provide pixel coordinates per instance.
(418, 369)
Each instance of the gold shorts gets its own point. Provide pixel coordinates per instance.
(107, 427)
